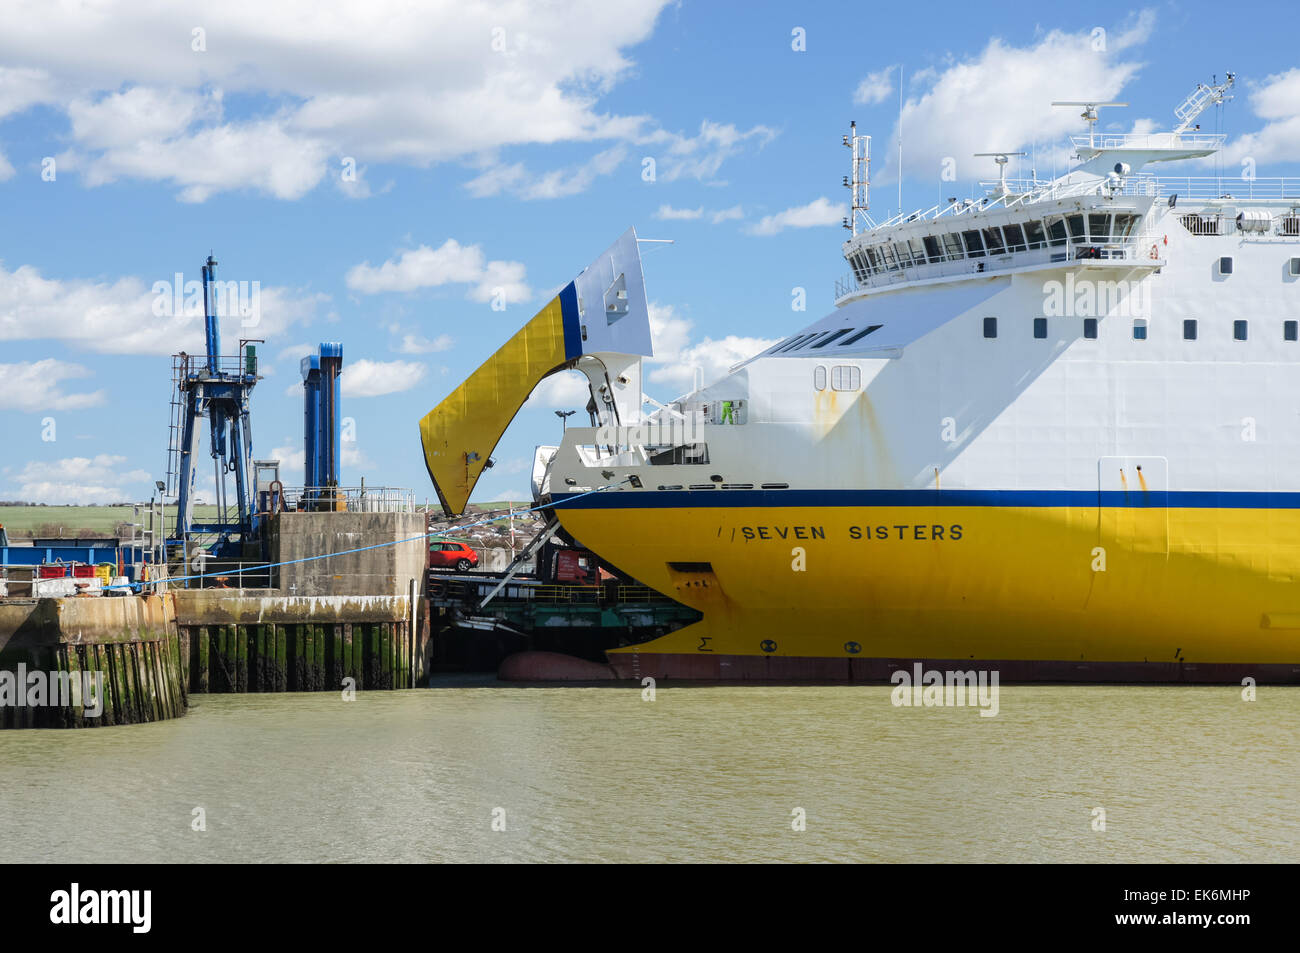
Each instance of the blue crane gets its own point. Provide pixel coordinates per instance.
(217, 388)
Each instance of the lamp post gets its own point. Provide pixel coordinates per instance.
(564, 416)
(160, 541)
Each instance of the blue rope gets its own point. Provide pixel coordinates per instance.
(135, 586)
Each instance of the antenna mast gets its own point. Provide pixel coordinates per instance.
(1001, 158)
(861, 149)
(1199, 100)
(1089, 114)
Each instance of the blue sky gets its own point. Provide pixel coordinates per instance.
(501, 146)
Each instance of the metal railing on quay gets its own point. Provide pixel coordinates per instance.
(349, 499)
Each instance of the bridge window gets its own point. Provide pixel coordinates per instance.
(1040, 328)
(1189, 329)
(993, 240)
(1035, 237)
(1015, 237)
(1090, 328)
(1099, 227)
(859, 263)
(1124, 225)
(990, 327)
(1076, 227)
(1056, 231)
(819, 377)
(1139, 329)
(974, 246)
(952, 247)
(932, 251)
(1239, 330)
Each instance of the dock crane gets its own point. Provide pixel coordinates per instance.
(217, 388)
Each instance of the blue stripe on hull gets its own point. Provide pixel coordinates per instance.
(684, 499)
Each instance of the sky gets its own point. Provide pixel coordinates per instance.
(415, 180)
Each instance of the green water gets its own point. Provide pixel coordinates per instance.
(700, 773)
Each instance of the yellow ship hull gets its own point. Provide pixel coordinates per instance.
(1184, 593)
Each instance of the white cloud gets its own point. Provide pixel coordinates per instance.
(714, 358)
(366, 378)
(716, 217)
(20, 88)
(380, 81)
(1277, 101)
(418, 344)
(33, 386)
(295, 352)
(515, 465)
(510, 496)
(702, 155)
(669, 214)
(875, 87)
(669, 332)
(125, 118)
(1001, 99)
(450, 263)
(80, 480)
(119, 318)
(259, 155)
(6, 170)
(564, 390)
(676, 358)
(528, 185)
(356, 185)
(354, 458)
(819, 211)
(293, 464)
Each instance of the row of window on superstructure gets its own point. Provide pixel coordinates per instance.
(1240, 329)
(812, 340)
(1093, 228)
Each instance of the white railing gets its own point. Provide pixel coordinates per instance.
(1191, 188)
(1133, 250)
(1190, 141)
(1022, 192)
(351, 499)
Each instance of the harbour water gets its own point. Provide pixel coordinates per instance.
(701, 773)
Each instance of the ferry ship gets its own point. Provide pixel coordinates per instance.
(1053, 432)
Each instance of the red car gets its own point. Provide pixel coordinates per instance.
(458, 556)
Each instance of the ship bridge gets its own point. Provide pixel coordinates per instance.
(1105, 214)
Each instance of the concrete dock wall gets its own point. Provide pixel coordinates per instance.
(358, 616)
(244, 643)
(401, 554)
(130, 645)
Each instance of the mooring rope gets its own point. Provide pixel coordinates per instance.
(136, 586)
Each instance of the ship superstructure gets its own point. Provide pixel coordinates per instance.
(1054, 430)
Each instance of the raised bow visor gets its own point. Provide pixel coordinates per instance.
(602, 311)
